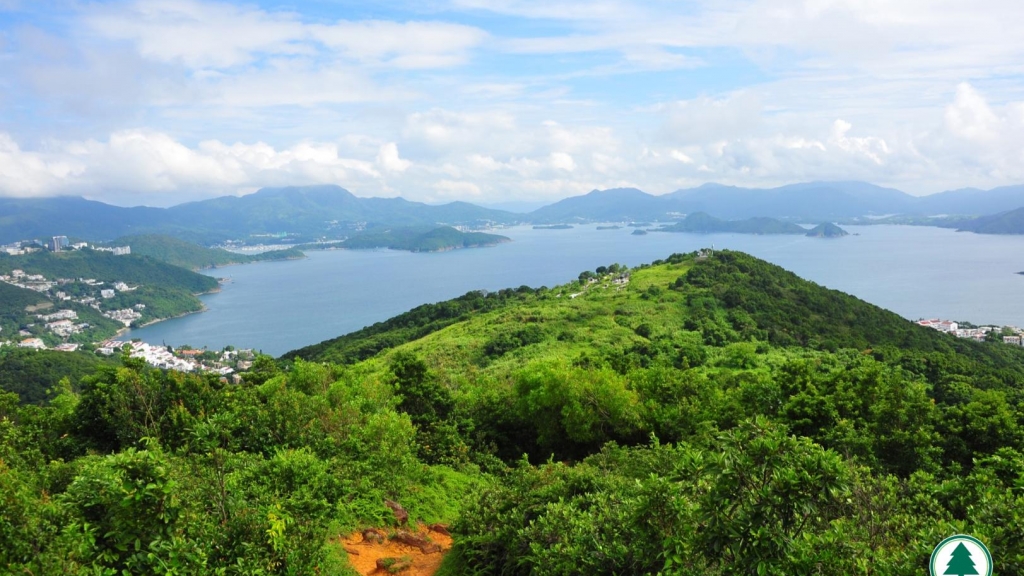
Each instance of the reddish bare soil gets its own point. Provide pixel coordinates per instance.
(363, 553)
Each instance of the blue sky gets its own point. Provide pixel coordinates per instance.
(160, 101)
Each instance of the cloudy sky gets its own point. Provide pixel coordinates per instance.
(161, 101)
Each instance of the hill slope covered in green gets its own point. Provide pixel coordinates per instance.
(701, 415)
(75, 281)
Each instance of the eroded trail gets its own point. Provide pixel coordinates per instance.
(408, 551)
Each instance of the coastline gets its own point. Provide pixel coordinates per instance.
(215, 266)
(126, 329)
(202, 308)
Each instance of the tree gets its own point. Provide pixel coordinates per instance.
(961, 564)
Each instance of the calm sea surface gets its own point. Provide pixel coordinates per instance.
(279, 306)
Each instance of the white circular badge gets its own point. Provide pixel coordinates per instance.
(960, 555)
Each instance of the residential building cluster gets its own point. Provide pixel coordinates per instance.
(224, 363)
(1011, 334)
(125, 316)
(63, 323)
(58, 244)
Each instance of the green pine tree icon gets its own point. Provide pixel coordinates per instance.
(960, 563)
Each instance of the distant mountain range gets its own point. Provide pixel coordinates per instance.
(305, 212)
(309, 212)
(808, 202)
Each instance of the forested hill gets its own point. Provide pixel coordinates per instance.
(704, 415)
(727, 298)
(193, 256)
(105, 293)
(107, 267)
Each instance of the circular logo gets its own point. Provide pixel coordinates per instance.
(960, 555)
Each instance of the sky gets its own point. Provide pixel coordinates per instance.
(157, 102)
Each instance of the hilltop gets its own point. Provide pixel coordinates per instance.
(709, 413)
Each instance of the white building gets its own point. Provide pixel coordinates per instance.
(32, 343)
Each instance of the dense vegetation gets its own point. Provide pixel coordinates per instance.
(33, 374)
(421, 239)
(703, 416)
(15, 303)
(193, 256)
(704, 223)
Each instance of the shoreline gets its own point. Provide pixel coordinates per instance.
(127, 329)
(202, 308)
(215, 266)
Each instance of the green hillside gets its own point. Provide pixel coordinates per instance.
(35, 375)
(704, 223)
(193, 256)
(701, 415)
(104, 266)
(14, 305)
(154, 290)
(421, 239)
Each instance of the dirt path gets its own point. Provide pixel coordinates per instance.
(366, 547)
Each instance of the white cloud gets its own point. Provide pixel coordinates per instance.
(458, 190)
(205, 98)
(405, 45)
(153, 167)
(389, 160)
(219, 35)
(199, 34)
(970, 117)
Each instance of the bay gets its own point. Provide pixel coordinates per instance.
(918, 272)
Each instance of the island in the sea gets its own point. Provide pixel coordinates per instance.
(639, 232)
(612, 227)
(420, 239)
(704, 223)
(553, 227)
(827, 230)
